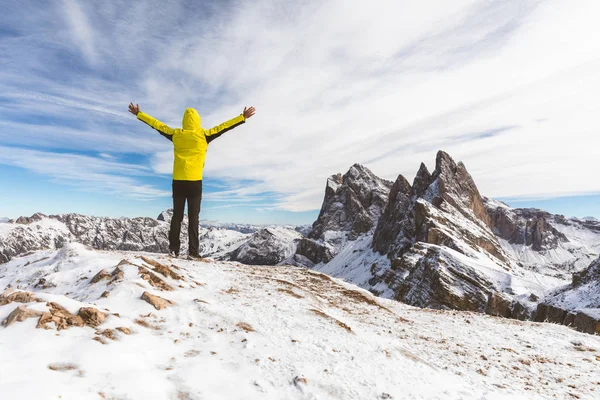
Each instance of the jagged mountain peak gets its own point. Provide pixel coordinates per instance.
(422, 181)
(358, 171)
(353, 202)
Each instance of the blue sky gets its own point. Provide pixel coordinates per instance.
(508, 87)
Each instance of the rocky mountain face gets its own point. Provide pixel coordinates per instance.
(353, 204)
(40, 232)
(529, 227)
(268, 246)
(577, 304)
(439, 243)
(435, 243)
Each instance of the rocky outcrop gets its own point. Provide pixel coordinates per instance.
(157, 302)
(529, 227)
(435, 280)
(443, 208)
(576, 305)
(11, 295)
(20, 314)
(395, 231)
(353, 203)
(316, 252)
(269, 246)
(454, 185)
(91, 316)
(28, 220)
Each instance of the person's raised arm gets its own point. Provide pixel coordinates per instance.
(218, 130)
(153, 122)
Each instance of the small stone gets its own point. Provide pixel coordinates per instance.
(158, 302)
(124, 330)
(91, 316)
(20, 314)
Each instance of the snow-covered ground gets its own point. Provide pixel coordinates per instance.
(244, 332)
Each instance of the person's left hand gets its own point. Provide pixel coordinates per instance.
(134, 109)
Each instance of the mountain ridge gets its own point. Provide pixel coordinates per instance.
(434, 243)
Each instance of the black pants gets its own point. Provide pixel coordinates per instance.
(190, 191)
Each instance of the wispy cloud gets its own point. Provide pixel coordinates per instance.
(86, 173)
(335, 82)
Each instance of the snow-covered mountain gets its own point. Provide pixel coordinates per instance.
(39, 232)
(268, 246)
(4, 220)
(439, 243)
(577, 304)
(85, 324)
(435, 243)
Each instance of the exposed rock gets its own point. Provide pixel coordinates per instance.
(103, 274)
(107, 333)
(158, 302)
(587, 323)
(62, 318)
(422, 181)
(153, 279)
(268, 246)
(577, 304)
(436, 280)
(395, 231)
(314, 251)
(124, 330)
(455, 185)
(162, 269)
(353, 202)
(529, 227)
(499, 305)
(115, 275)
(11, 295)
(92, 316)
(20, 314)
(28, 220)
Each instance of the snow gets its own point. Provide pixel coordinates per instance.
(198, 352)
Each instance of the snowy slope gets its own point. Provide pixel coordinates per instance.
(243, 332)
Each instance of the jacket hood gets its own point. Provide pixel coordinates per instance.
(191, 120)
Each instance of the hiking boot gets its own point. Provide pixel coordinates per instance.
(173, 253)
(194, 257)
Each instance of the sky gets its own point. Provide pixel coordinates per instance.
(510, 87)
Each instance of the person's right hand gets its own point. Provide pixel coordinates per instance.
(134, 109)
(248, 112)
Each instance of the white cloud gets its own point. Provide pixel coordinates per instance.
(509, 87)
(86, 173)
(81, 29)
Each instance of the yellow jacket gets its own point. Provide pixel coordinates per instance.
(190, 142)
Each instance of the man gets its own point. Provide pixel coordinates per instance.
(190, 144)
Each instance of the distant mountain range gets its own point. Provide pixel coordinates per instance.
(435, 243)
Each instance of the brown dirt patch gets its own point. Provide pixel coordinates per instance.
(145, 324)
(290, 292)
(245, 326)
(338, 322)
(63, 367)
